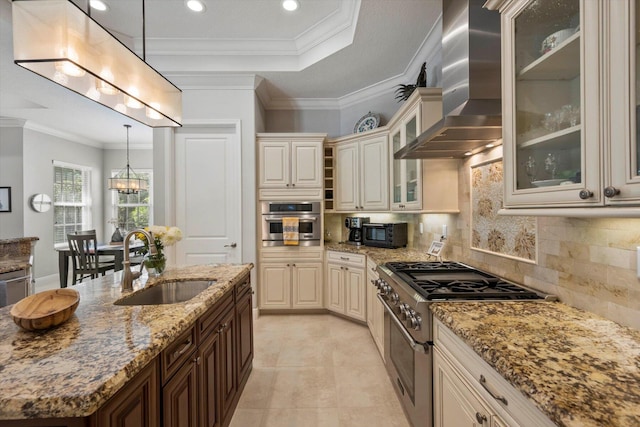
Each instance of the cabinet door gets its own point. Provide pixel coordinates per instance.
(374, 175)
(244, 325)
(454, 404)
(136, 405)
(275, 285)
(335, 287)
(407, 174)
(552, 103)
(179, 398)
(209, 380)
(307, 285)
(306, 164)
(355, 301)
(228, 385)
(347, 195)
(624, 55)
(274, 164)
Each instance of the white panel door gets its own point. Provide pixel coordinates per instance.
(208, 175)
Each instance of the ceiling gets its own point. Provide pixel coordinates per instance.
(319, 56)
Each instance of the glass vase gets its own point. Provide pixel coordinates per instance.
(155, 265)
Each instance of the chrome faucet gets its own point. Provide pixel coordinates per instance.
(129, 276)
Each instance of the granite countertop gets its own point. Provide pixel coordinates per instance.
(18, 240)
(14, 264)
(578, 368)
(71, 370)
(381, 255)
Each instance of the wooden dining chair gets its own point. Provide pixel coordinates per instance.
(85, 259)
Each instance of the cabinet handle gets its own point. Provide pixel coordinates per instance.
(346, 268)
(585, 194)
(222, 328)
(288, 265)
(196, 360)
(483, 383)
(611, 192)
(293, 185)
(233, 245)
(184, 348)
(293, 265)
(344, 258)
(481, 417)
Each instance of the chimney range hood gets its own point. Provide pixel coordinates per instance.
(471, 85)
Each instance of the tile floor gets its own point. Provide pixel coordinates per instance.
(316, 370)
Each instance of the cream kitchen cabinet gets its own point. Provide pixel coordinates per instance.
(375, 310)
(290, 278)
(290, 165)
(346, 291)
(467, 391)
(569, 107)
(362, 172)
(417, 185)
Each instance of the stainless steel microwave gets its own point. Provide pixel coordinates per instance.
(309, 216)
(390, 235)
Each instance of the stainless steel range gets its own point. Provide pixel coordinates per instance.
(406, 289)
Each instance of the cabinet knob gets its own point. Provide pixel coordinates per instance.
(293, 185)
(585, 194)
(196, 360)
(611, 191)
(481, 418)
(293, 265)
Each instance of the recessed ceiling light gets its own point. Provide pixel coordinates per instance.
(290, 5)
(468, 153)
(98, 5)
(490, 145)
(195, 5)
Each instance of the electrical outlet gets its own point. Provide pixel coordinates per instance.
(444, 230)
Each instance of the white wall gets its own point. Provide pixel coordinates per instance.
(202, 106)
(40, 151)
(311, 121)
(11, 175)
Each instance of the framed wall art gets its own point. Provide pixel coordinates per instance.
(509, 236)
(5, 199)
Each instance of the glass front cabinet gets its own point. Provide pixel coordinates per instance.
(570, 94)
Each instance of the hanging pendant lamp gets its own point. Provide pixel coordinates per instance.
(127, 181)
(60, 42)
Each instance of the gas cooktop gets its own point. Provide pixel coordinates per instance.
(452, 280)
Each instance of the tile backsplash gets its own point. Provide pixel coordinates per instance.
(588, 263)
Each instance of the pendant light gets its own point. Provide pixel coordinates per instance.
(127, 181)
(60, 42)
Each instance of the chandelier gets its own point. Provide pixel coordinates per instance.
(127, 181)
(58, 41)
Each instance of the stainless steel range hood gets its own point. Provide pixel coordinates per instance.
(472, 110)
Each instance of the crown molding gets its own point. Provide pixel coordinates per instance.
(10, 122)
(37, 127)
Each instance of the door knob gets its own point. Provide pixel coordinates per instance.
(611, 192)
(233, 245)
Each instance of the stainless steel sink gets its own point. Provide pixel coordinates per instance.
(166, 293)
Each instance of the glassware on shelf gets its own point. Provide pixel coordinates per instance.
(551, 164)
(530, 168)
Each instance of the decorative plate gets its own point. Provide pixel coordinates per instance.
(367, 122)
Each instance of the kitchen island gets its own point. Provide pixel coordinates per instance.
(72, 370)
(578, 368)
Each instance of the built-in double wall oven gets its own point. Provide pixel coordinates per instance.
(309, 219)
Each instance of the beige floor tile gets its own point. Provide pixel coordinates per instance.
(316, 370)
(257, 392)
(247, 418)
(305, 417)
(372, 417)
(306, 387)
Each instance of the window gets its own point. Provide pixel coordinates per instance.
(71, 200)
(134, 210)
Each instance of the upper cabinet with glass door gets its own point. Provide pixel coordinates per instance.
(558, 124)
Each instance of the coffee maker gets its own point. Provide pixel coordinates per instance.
(354, 224)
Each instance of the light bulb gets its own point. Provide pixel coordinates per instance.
(152, 112)
(290, 5)
(103, 86)
(130, 100)
(67, 67)
(98, 5)
(195, 5)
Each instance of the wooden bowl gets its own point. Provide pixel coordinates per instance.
(45, 309)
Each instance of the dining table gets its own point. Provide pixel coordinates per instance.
(114, 249)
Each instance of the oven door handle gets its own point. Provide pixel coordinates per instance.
(279, 219)
(415, 345)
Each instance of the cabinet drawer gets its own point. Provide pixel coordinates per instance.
(372, 269)
(243, 287)
(354, 260)
(208, 322)
(291, 254)
(177, 353)
(473, 368)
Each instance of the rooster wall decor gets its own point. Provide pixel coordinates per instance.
(403, 92)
